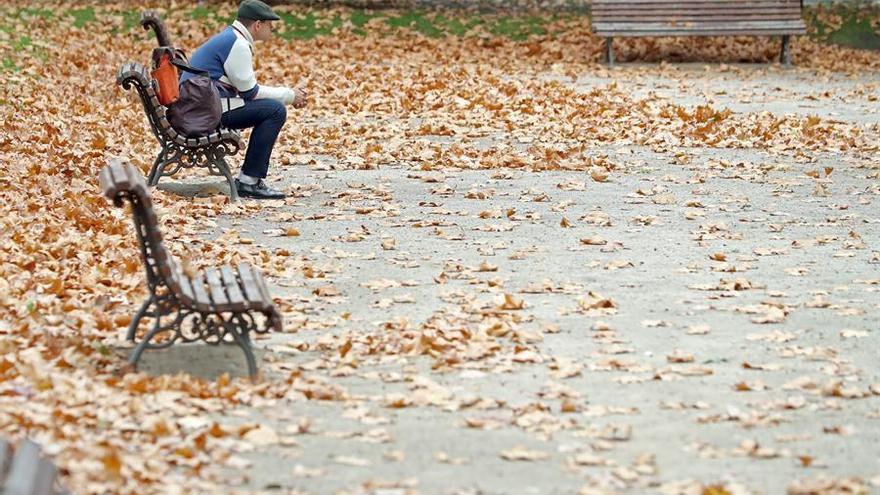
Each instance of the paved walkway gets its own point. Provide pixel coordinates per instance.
(503, 331)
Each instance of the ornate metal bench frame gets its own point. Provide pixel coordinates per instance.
(215, 305)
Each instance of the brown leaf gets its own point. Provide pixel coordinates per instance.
(520, 453)
(599, 175)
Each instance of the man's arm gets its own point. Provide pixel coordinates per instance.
(239, 69)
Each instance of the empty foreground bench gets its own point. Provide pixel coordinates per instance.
(179, 151)
(214, 305)
(25, 472)
(648, 18)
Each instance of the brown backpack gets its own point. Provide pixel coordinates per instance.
(195, 110)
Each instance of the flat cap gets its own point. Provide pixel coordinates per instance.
(256, 10)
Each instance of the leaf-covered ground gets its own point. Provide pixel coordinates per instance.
(534, 267)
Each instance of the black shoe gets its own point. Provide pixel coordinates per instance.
(258, 191)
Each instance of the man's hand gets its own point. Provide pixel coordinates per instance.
(300, 98)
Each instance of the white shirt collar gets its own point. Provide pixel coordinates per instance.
(244, 31)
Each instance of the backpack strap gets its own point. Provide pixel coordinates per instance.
(180, 64)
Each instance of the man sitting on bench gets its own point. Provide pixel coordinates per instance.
(228, 57)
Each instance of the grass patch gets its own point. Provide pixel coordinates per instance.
(457, 27)
(22, 43)
(203, 13)
(416, 21)
(130, 20)
(857, 33)
(81, 17)
(853, 24)
(433, 24)
(8, 65)
(518, 28)
(33, 12)
(360, 18)
(307, 26)
(209, 15)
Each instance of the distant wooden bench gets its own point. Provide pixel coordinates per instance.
(25, 472)
(214, 305)
(643, 18)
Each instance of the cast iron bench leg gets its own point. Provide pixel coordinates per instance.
(785, 53)
(609, 50)
(238, 327)
(132, 327)
(159, 159)
(136, 354)
(224, 168)
(160, 169)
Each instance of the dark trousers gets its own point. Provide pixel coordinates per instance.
(266, 116)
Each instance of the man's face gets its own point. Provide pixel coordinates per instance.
(261, 30)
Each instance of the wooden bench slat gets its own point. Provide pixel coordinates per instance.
(264, 291)
(249, 286)
(793, 14)
(660, 34)
(119, 178)
(203, 300)
(730, 26)
(693, 6)
(136, 182)
(673, 24)
(233, 291)
(178, 282)
(215, 284)
(612, 4)
(636, 16)
(660, 29)
(186, 290)
(105, 179)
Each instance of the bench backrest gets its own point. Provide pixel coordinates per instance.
(121, 181)
(133, 74)
(694, 11)
(150, 20)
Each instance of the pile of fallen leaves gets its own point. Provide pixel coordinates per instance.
(70, 273)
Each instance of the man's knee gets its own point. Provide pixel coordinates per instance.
(279, 111)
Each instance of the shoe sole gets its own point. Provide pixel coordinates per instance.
(254, 196)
